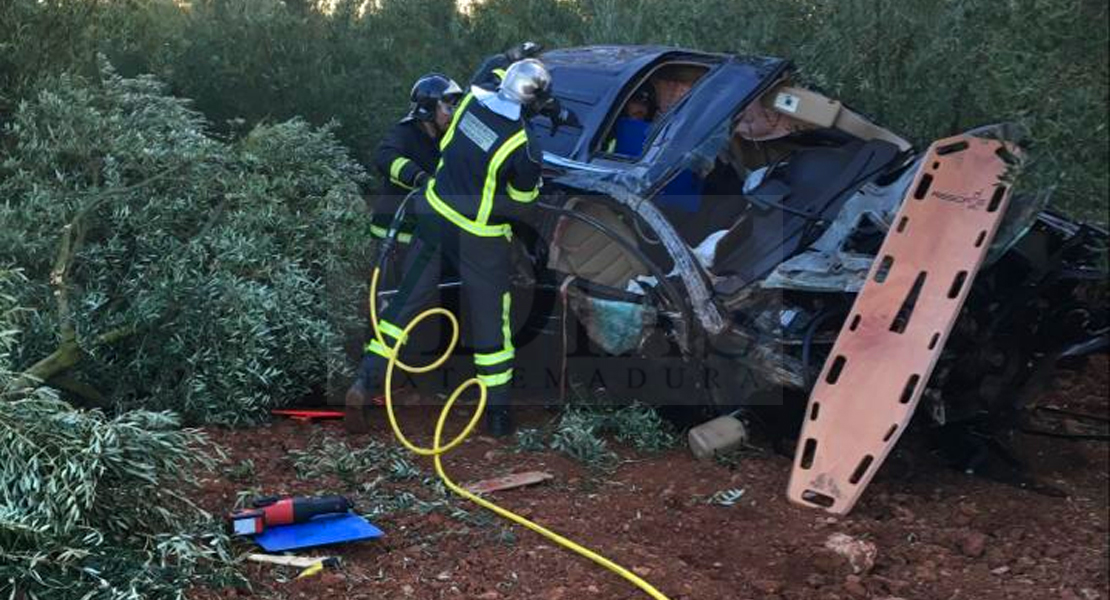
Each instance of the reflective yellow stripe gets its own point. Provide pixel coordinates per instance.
(390, 329)
(479, 226)
(377, 348)
(382, 232)
(499, 379)
(490, 187)
(397, 166)
(395, 171)
(500, 73)
(495, 358)
(454, 121)
(520, 196)
(461, 221)
(507, 351)
(506, 329)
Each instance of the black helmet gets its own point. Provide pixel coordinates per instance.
(428, 91)
(523, 51)
(645, 94)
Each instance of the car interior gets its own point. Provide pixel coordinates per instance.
(792, 156)
(645, 104)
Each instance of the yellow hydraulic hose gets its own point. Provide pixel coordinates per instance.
(438, 449)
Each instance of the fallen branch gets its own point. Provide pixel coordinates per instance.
(69, 351)
(92, 396)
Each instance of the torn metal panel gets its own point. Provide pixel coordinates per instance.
(775, 366)
(686, 264)
(1022, 214)
(826, 266)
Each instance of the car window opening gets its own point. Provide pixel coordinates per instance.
(648, 104)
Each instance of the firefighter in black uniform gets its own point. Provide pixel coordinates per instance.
(492, 70)
(409, 154)
(489, 171)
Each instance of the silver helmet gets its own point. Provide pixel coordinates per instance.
(525, 81)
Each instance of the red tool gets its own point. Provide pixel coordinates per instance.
(276, 510)
(301, 414)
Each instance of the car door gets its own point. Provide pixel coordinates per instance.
(696, 129)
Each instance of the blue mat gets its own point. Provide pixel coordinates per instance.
(323, 530)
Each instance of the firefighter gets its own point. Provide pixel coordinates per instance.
(488, 173)
(489, 74)
(631, 128)
(408, 155)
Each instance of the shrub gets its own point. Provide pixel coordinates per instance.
(170, 269)
(92, 506)
(926, 69)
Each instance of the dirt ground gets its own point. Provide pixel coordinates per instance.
(940, 534)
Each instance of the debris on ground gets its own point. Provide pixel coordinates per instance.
(304, 414)
(860, 554)
(300, 562)
(508, 482)
(650, 513)
(719, 436)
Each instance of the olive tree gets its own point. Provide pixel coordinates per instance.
(167, 268)
(96, 506)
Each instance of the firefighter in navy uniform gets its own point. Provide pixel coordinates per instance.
(489, 171)
(492, 70)
(409, 154)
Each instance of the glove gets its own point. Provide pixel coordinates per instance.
(523, 51)
(559, 115)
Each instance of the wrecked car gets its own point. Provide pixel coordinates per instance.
(708, 210)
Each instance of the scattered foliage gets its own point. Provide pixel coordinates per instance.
(642, 427)
(580, 430)
(242, 471)
(530, 439)
(93, 506)
(380, 478)
(331, 456)
(578, 435)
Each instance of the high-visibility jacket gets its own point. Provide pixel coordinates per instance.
(491, 72)
(488, 170)
(404, 154)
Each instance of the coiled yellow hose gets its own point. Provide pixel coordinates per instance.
(438, 449)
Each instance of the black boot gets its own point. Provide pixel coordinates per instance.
(360, 396)
(499, 422)
(355, 416)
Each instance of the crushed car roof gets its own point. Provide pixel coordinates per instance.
(588, 80)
